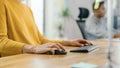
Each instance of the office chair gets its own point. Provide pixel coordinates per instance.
(115, 23)
(84, 13)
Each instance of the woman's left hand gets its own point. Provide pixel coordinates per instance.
(77, 43)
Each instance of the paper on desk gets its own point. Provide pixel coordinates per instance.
(84, 65)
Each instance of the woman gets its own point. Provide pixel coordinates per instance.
(19, 33)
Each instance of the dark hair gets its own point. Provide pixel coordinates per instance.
(100, 3)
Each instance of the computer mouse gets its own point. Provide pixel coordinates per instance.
(57, 52)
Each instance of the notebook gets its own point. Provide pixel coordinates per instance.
(84, 65)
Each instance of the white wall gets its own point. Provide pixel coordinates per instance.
(52, 11)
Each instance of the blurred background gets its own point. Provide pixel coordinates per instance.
(57, 19)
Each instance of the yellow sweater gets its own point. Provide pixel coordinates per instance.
(17, 28)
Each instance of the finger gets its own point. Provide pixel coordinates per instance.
(85, 42)
(49, 51)
(79, 45)
(52, 51)
(56, 46)
(61, 46)
(90, 43)
(82, 41)
(51, 45)
(82, 45)
(42, 50)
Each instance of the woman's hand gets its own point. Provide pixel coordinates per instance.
(48, 47)
(77, 43)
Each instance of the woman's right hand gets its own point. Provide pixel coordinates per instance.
(48, 47)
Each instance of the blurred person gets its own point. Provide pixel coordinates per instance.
(95, 27)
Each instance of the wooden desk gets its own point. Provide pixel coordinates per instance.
(55, 61)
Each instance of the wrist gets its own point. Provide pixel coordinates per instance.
(67, 43)
(28, 49)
